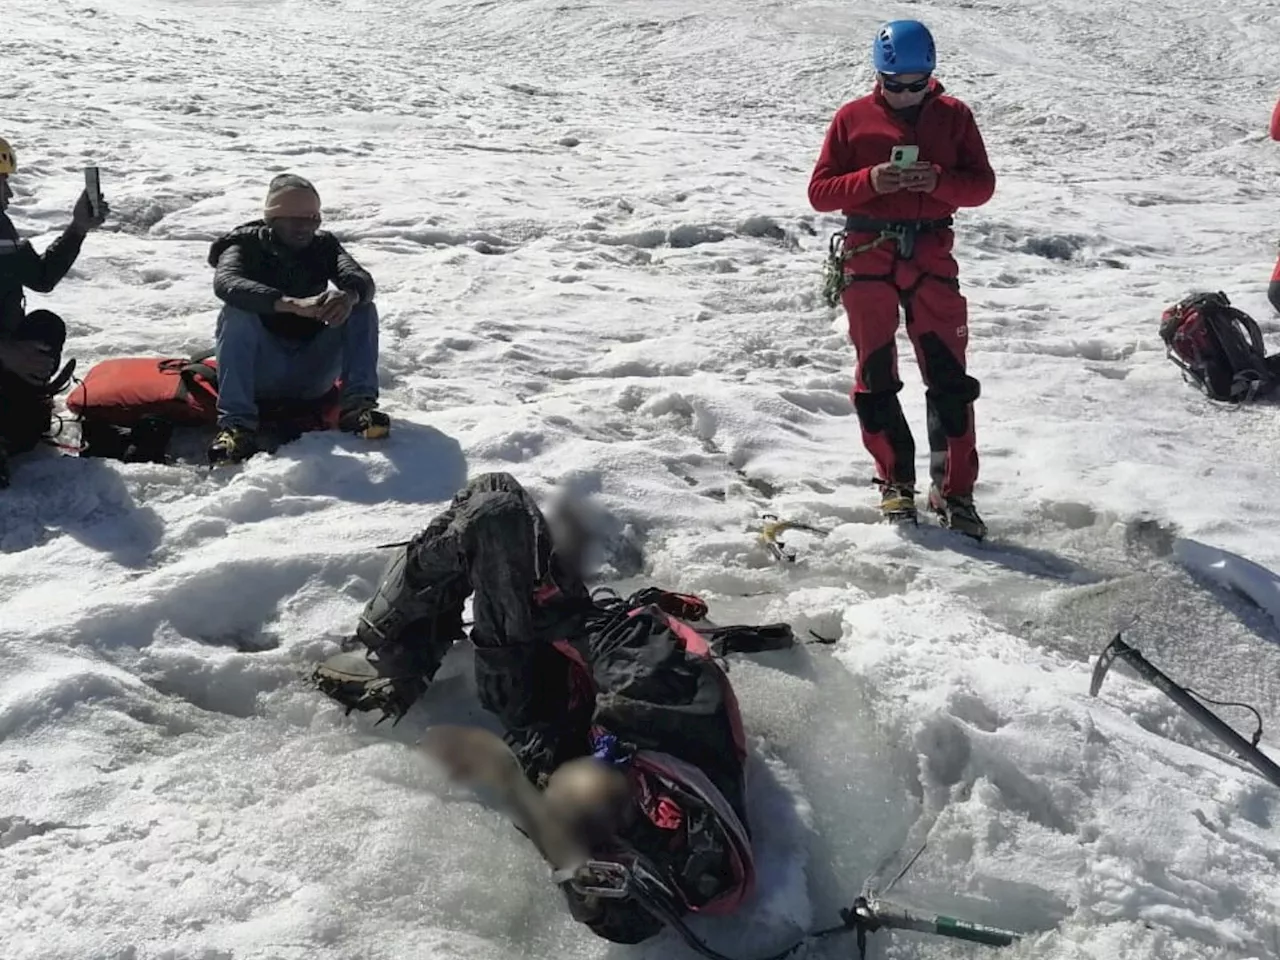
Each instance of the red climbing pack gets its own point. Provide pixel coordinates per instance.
(1219, 348)
(128, 407)
(127, 390)
(657, 657)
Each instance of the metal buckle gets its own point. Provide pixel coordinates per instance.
(600, 878)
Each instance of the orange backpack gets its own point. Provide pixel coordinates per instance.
(128, 407)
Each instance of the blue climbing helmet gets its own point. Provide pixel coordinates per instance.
(904, 46)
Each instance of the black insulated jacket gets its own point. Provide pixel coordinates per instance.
(21, 267)
(254, 270)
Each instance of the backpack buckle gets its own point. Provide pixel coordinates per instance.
(904, 234)
(598, 878)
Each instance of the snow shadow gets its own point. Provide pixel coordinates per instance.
(86, 499)
(1029, 561)
(422, 465)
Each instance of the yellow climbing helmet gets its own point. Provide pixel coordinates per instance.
(8, 162)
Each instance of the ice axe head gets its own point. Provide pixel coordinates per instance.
(1115, 648)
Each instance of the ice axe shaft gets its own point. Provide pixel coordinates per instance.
(1179, 695)
(874, 913)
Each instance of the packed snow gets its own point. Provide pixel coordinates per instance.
(598, 271)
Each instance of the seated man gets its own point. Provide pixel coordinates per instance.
(31, 343)
(616, 707)
(283, 334)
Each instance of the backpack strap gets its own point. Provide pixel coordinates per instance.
(196, 375)
(202, 371)
(60, 381)
(199, 368)
(686, 606)
(1251, 328)
(746, 638)
(1252, 375)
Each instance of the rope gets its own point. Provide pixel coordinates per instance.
(1257, 734)
(52, 438)
(834, 282)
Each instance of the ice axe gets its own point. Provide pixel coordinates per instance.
(1186, 699)
(774, 527)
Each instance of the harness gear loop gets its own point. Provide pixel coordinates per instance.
(834, 279)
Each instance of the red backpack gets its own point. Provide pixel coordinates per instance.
(1219, 348)
(124, 391)
(128, 407)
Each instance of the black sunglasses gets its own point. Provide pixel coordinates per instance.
(897, 86)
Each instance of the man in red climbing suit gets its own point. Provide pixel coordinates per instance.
(897, 251)
(1273, 292)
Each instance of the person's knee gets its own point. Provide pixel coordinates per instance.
(1273, 294)
(944, 372)
(497, 513)
(877, 371)
(493, 482)
(877, 412)
(239, 324)
(876, 402)
(364, 313)
(951, 390)
(503, 511)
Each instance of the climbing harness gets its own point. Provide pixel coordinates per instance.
(902, 232)
(834, 279)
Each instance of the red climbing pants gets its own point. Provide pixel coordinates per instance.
(926, 290)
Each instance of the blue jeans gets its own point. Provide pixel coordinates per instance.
(254, 364)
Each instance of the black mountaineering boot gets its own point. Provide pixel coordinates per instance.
(364, 419)
(406, 631)
(957, 513)
(898, 502)
(233, 445)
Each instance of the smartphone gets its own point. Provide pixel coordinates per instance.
(93, 187)
(904, 155)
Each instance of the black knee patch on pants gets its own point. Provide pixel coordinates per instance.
(877, 371)
(1273, 294)
(951, 390)
(878, 412)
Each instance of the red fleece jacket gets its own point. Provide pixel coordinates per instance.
(1275, 122)
(866, 130)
